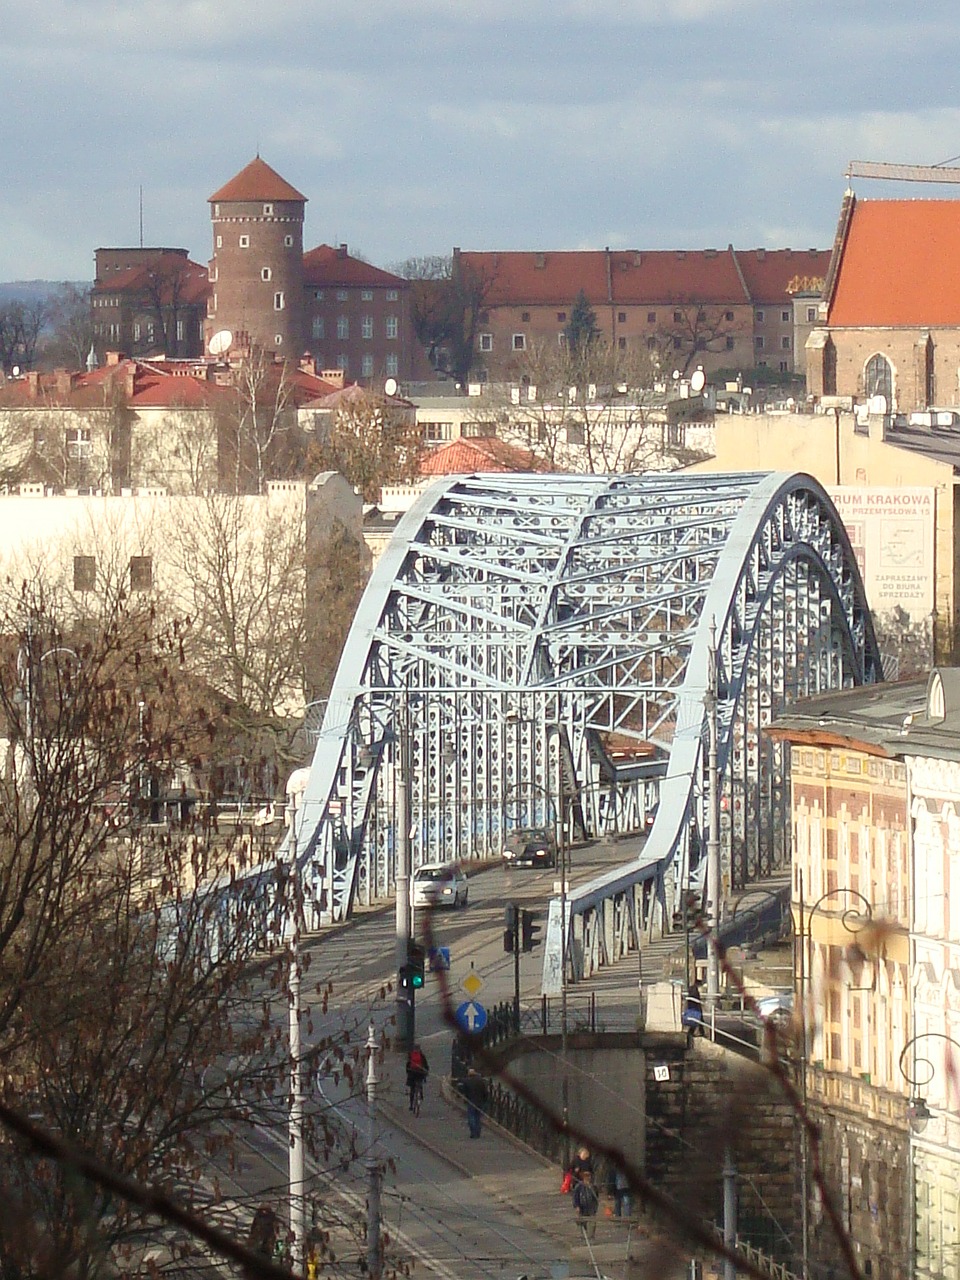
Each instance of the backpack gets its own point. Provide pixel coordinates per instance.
(416, 1062)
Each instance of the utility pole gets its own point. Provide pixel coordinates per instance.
(374, 1252)
(295, 1119)
(406, 1028)
(713, 844)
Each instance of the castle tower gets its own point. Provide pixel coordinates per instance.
(256, 272)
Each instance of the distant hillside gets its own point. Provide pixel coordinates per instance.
(34, 290)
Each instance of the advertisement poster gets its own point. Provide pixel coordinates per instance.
(892, 532)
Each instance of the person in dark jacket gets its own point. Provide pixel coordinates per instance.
(474, 1090)
(581, 1163)
(586, 1202)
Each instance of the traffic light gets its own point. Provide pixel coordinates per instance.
(510, 932)
(530, 929)
(416, 961)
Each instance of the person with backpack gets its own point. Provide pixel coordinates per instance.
(586, 1202)
(418, 1068)
(474, 1090)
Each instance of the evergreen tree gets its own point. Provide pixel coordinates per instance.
(582, 330)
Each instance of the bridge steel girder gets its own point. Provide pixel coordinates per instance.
(514, 622)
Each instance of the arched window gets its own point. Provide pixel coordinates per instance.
(879, 378)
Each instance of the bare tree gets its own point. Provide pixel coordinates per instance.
(448, 297)
(370, 441)
(258, 437)
(165, 287)
(586, 410)
(21, 324)
(695, 328)
(72, 329)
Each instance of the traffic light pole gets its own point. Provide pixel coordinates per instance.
(516, 970)
(406, 1010)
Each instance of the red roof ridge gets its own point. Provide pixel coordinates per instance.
(257, 181)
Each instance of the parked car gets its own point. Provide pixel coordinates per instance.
(530, 847)
(440, 884)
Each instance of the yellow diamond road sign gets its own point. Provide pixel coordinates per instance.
(472, 983)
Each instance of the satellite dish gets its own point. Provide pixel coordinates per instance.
(221, 342)
(390, 387)
(676, 375)
(698, 380)
(16, 371)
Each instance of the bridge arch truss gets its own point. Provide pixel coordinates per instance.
(533, 649)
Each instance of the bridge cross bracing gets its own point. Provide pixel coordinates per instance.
(533, 649)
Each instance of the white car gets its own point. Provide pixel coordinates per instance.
(439, 884)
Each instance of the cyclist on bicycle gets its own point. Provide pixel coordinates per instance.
(418, 1068)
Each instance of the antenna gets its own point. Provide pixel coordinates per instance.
(141, 215)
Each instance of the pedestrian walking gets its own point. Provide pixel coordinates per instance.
(622, 1202)
(474, 1090)
(582, 1163)
(586, 1202)
(692, 1018)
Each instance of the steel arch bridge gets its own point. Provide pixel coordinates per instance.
(533, 649)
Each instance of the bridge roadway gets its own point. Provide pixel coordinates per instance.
(467, 1209)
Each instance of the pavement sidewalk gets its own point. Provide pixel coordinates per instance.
(518, 1178)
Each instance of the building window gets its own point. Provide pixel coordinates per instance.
(393, 364)
(728, 315)
(651, 317)
(678, 344)
(84, 573)
(266, 273)
(288, 242)
(341, 295)
(878, 378)
(784, 344)
(366, 327)
(621, 317)
(78, 441)
(366, 366)
(525, 317)
(366, 295)
(486, 342)
(811, 315)
(434, 432)
(216, 211)
(561, 317)
(268, 210)
(701, 316)
(318, 326)
(730, 344)
(219, 242)
(758, 342)
(343, 362)
(678, 317)
(278, 302)
(278, 339)
(519, 342)
(244, 242)
(180, 330)
(561, 339)
(785, 317)
(759, 317)
(141, 573)
(783, 366)
(651, 344)
(392, 326)
(622, 344)
(318, 294)
(343, 327)
(136, 331)
(393, 295)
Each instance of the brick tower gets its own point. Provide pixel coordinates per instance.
(256, 272)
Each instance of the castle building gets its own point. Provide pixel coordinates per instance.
(256, 271)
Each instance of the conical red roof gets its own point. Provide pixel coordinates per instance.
(257, 182)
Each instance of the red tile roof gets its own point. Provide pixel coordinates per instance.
(257, 181)
(192, 279)
(899, 265)
(481, 453)
(774, 275)
(327, 267)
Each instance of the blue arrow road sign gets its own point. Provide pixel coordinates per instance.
(471, 1016)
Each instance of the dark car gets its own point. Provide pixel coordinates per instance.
(530, 847)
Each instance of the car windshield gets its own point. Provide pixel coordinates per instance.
(435, 873)
(529, 834)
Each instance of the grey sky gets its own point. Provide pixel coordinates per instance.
(414, 125)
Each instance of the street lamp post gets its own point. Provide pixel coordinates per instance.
(918, 1113)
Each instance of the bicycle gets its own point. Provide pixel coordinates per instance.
(416, 1094)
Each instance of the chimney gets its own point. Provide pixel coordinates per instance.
(63, 382)
(342, 251)
(308, 364)
(112, 357)
(33, 384)
(129, 378)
